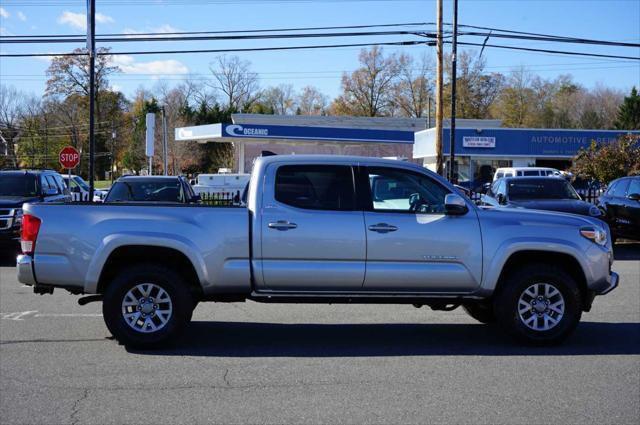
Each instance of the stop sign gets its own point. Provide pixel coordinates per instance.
(69, 157)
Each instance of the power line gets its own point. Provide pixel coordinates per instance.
(254, 49)
(224, 32)
(133, 39)
(558, 52)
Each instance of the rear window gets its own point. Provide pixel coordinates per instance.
(146, 190)
(23, 185)
(316, 187)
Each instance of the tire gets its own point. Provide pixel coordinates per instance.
(532, 324)
(483, 313)
(156, 317)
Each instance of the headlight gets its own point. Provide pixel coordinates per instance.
(594, 234)
(595, 211)
(17, 221)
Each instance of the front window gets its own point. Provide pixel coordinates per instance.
(80, 182)
(395, 190)
(22, 185)
(520, 189)
(146, 190)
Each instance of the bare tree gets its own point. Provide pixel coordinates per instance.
(414, 86)
(280, 99)
(368, 90)
(234, 78)
(311, 102)
(11, 109)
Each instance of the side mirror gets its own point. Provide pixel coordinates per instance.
(501, 199)
(634, 196)
(454, 204)
(486, 187)
(196, 198)
(76, 189)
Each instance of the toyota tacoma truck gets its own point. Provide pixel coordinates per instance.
(321, 229)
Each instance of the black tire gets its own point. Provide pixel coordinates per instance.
(507, 300)
(162, 277)
(483, 313)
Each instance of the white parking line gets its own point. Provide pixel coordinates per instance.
(21, 315)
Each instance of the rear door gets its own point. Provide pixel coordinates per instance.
(313, 236)
(629, 219)
(411, 244)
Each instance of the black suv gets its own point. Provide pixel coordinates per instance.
(18, 187)
(621, 207)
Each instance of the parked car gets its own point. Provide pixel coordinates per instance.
(163, 189)
(539, 193)
(18, 187)
(322, 229)
(621, 206)
(80, 189)
(526, 172)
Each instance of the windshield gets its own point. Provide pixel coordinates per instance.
(551, 188)
(80, 182)
(18, 185)
(156, 190)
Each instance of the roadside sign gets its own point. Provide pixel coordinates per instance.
(69, 157)
(151, 128)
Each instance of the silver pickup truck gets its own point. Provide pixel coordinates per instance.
(322, 229)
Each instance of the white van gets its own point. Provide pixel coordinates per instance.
(80, 189)
(526, 172)
(221, 183)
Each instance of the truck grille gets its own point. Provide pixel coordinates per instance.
(6, 218)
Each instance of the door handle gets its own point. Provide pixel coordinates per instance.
(382, 228)
(282, 225)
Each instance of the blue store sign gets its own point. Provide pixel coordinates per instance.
(527, 142)
(336, 134)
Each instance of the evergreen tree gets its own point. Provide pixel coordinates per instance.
(629, 112)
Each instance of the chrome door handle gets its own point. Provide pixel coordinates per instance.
(382, 228)
(282, 225)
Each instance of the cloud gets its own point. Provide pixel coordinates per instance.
(163, 29)
(155, 69)
(4, 31)
(79, 20)
(4, 13)
(22, 16)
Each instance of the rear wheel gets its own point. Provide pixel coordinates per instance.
(483, 313)
(539, 304)
(146, 306)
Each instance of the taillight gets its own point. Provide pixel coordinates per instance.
(30, 229)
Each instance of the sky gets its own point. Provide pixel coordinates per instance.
(616, 20)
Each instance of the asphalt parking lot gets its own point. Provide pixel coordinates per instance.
(262, 363)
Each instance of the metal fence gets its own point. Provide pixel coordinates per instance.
(221, 199)
(590, 195)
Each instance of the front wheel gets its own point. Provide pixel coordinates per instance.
(539, 304)
(146, 306)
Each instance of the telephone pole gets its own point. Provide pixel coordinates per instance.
(91, 47)
(452, 138)
(439, 91)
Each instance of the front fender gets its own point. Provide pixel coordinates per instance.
(114, 241)
(506, 249)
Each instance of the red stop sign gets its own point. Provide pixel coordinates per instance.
(69, 157)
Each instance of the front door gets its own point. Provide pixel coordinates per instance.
(313, 236)
(412, 245)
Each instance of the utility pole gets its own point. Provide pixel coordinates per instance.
(113, 142)
(452, 138)
(164, 142)
(91, 47)
(439, 90)
(428, 112)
